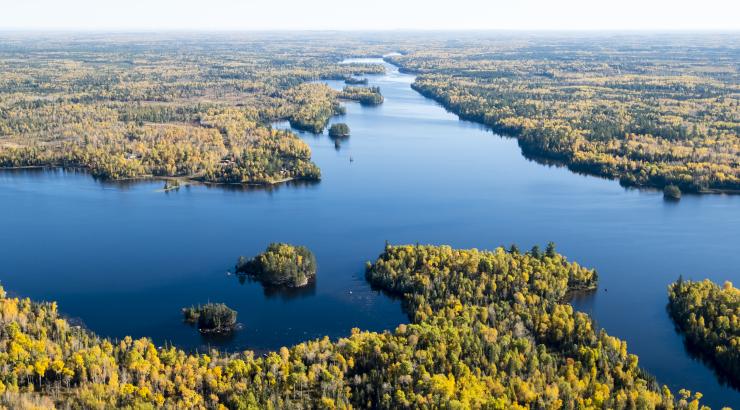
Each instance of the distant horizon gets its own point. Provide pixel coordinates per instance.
(134, 30)
(381, 15)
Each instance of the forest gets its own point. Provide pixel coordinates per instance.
(634, 109)
(630, 108)
(191, 108)
(709, 317)
(281, 264)
(488, 329)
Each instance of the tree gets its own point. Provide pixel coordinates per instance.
(339, 130)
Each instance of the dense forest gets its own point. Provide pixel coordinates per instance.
(489, 329)
(141, 107)
(636, 109)
(709, 316)
(281, 264)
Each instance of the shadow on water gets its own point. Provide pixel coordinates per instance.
(338, 141)
(281, 292)
(219, 339)
(128, 184)
(695, 352)
(295, 183)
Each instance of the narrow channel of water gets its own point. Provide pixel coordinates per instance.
(126, 258)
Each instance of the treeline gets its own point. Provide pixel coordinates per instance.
(194, 108)
(222, 145)
(488, 330)
(709, 316)
(637, 114)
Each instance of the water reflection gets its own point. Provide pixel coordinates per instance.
(698, 354)
(282, 292)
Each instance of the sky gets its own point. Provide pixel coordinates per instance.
(247, 15)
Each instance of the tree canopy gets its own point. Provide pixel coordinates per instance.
(138, 108)
(709, 316)
(488, 329)
(339, 130)
(280, 264)
(627, 110)
(211, 317)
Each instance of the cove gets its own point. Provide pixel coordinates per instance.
(124, 258)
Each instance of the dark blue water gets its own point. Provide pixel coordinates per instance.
(125, 258)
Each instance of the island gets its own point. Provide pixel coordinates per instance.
(171, 184)
(487, 329)
(672, 192)
(709, 317)
(280, 265)
(364, 95)
(339, 130)
(355, 81)
(211, 317)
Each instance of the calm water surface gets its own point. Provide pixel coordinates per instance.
(125, 259)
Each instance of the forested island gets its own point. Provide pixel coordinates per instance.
(672, 192)
(339, 130)
(709, 317)
(195, 109)
(211, 317)
(606, 106)
(364, 95)
(488, 329)
(280, 265)
(355, 81)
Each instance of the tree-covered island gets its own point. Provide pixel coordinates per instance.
(365, 95)
(280, 264)
(339, 130)
(355, 80)
(211, 317)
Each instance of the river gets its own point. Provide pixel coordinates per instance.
(125, 258)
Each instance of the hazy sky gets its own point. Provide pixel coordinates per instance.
(370, 14)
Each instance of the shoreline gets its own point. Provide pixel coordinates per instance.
(185, 179)
(547, 158)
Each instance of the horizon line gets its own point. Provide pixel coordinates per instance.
(359, 30)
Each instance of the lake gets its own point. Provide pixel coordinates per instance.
(125, 258)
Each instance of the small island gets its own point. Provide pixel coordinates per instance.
(171, 184)
(364, 95)
(339, 130)
(355, 81)
(281, 265)
(211, 318)
(672, 192)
